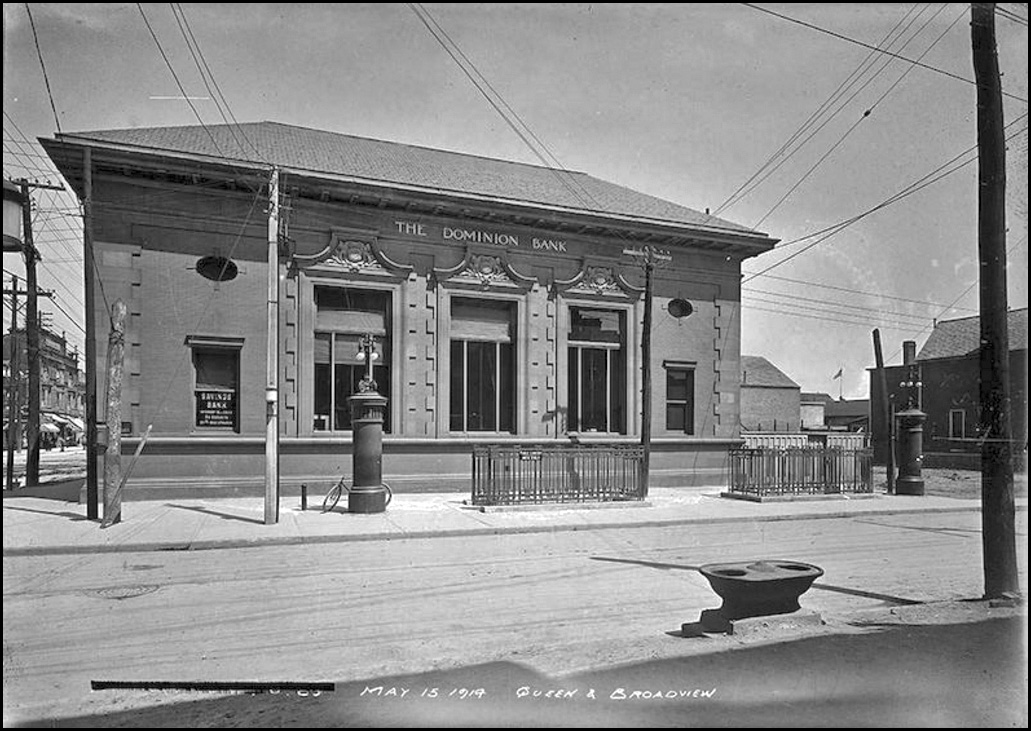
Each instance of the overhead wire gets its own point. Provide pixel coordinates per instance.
(854, 41)
(768, 167)
(1009, 15)
(218, 89)
(928, 179)
(833, 303)
(964, 293)
(862, 118)
(46, 76)
(203, 77)
(854, 291)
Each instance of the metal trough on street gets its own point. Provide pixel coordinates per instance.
(756, 589)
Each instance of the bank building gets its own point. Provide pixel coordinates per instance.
(504, 299)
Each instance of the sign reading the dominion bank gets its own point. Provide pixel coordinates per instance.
(444, 233)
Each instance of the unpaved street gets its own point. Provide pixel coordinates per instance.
(558, 610)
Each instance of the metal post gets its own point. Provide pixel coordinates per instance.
(272, 359)
(998, 513)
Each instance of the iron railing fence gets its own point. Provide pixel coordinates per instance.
(765, 471)
(512, 475)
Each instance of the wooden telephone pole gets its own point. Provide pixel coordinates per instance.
(272, 358)
(998, 526)
(649, 257)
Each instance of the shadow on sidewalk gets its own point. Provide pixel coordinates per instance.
(66, 490)
(61, 514)
(968, 674)
(216, 513)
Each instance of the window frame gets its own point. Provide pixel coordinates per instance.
(512, 305)
(688, 368)
(574, 366)
(386, 347)
(200, 344)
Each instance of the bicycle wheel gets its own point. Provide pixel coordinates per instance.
(333, 496)
(390, 494)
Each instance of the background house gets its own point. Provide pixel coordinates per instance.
(61, 385)
(770, 401)
(848, 415)
(950, 373)
(813, 409)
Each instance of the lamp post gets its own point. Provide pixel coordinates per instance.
(367, 494)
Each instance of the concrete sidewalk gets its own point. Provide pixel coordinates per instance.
(39, 526)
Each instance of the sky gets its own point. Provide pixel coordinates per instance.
(682, 101)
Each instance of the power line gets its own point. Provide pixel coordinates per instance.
(178, 83)
(856, 291)
(200, 72)
(867, 45)
(46, 77)
(866, 114)
(788, 313)
(747, 187)
(1009, 15)
(832, 303)
(218, 89)
(1009, 250)
(577, 190)
(918, 185)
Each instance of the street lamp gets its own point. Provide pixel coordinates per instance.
(367, 354)
(368, 409)
(911, 436)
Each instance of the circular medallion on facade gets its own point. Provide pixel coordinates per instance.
(217, 268)
(679, 308)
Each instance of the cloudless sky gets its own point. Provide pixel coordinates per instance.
(681, 101)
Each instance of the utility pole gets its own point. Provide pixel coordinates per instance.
(272, 359)
(998, 527)
(90, 315)
(31, 342)
(24, 243)
(886, 421)
(649, 257)
(113, 456)
(13, 408)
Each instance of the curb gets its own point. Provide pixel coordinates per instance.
(231, 543)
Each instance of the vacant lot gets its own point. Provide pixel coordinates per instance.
(963, 484)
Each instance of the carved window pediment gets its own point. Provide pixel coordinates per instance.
(598, 280)
(484, 270)
(355, 252)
